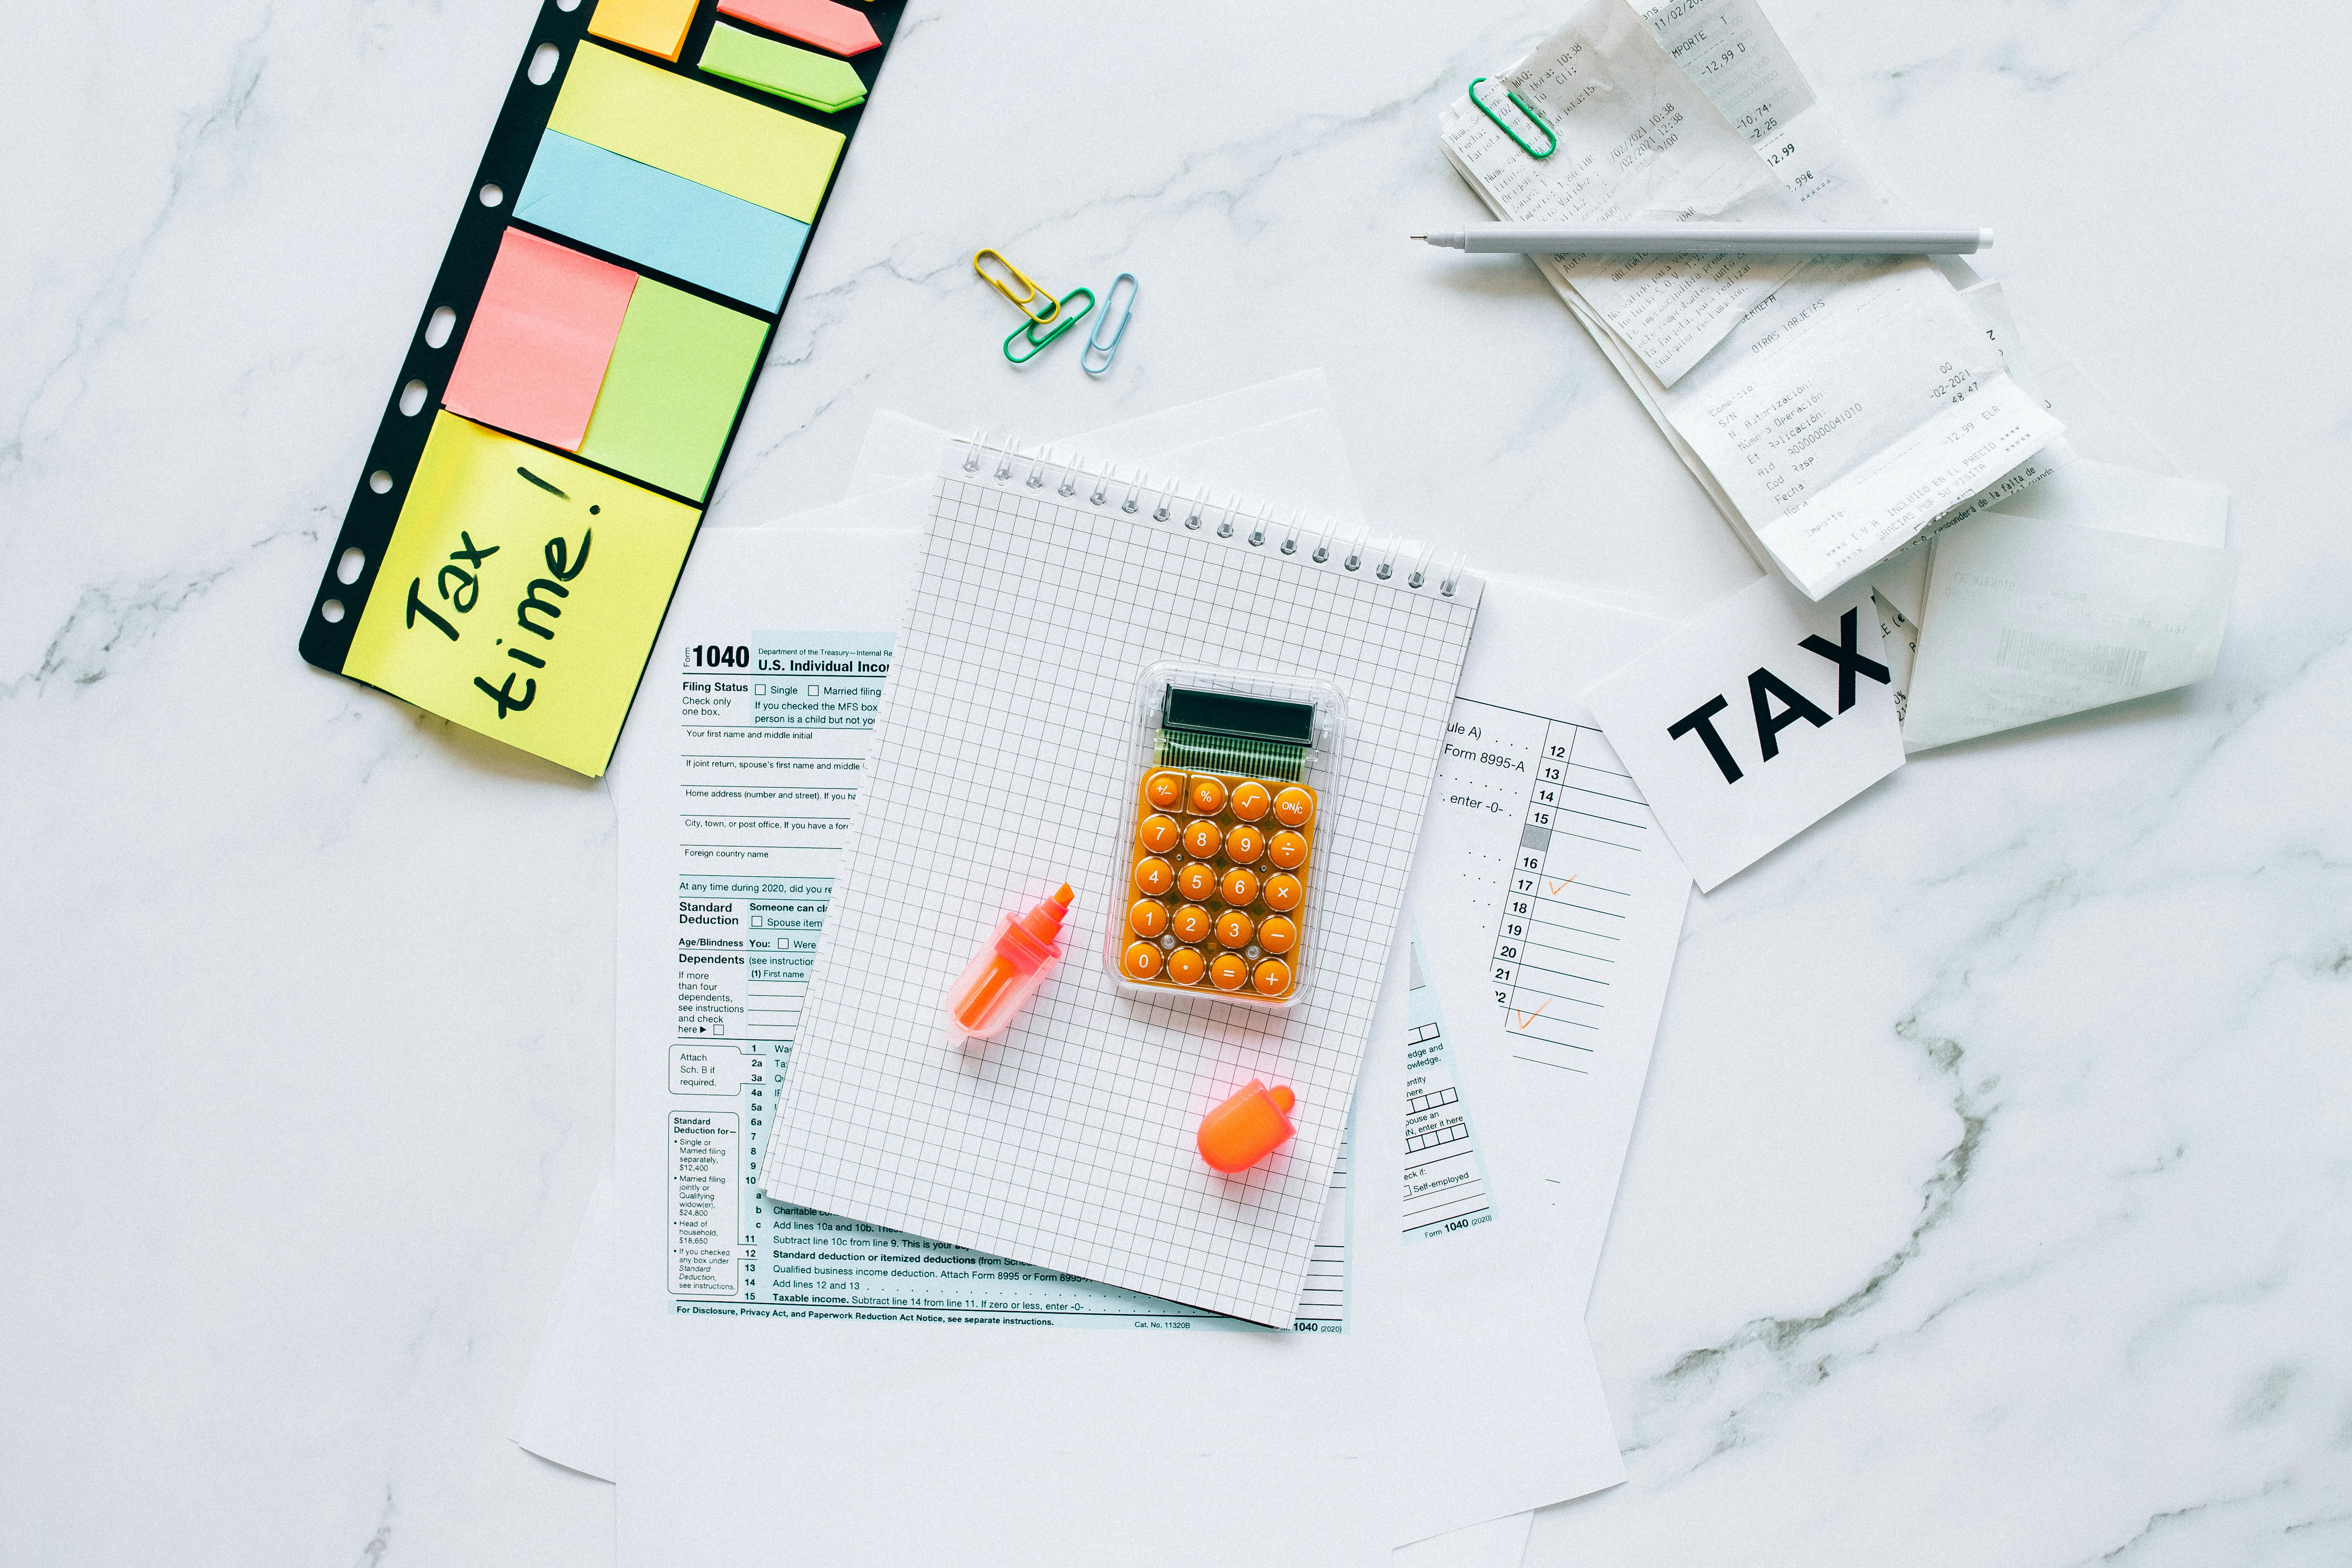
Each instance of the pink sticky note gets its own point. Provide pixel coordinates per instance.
(536, 348)
(818, 22)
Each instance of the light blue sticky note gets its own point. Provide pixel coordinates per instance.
(660, 221)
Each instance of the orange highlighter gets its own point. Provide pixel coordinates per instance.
(1009, 969)
(1247, 1128)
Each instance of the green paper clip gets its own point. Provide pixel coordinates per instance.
(1525, 108)
(1063, 320)
(1095, 343)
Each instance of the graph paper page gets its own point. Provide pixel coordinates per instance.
(1002, 761)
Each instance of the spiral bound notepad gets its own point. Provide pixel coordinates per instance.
(1002, 761)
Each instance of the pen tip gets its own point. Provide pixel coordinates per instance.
(1416, 236)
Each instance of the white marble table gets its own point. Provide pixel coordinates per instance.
(1992, 1197)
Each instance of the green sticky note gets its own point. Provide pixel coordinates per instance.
(676, 378)
(817, 80)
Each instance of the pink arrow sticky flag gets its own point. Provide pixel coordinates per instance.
(818, 22)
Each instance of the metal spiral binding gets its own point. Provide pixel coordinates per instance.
(1406, 564)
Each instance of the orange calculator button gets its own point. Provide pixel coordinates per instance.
(1243, 844)
(1234, 928)
(1165, 791)
(1272, 977)
(1278, 933)
(1230, 972)
(1282, 891)
(1293, 807)
(1202, 838)
(1142, 959)
(1158, 834)
(1191, 924)
(1250, 800)
(1240, 886)
(1208, 797)
(1185, 965)
(1287, 850)
(1153, 876)
(1197, 880)
(1148, 918)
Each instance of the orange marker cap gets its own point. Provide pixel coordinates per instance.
(1158, 834)
(1244, 844)
(1247, 1128)
(1230, 972)
(1197, 880)
(1207, 796)
(1251, 800)
(1148, 917)
(1234, 928)
(1240, 886)
(1153, 876)
(1278, 933)
(1202, 838)
(1293, 807)
(1282, 891)
(1185, 965)
(1165, 791)
(1287, 850)
(1191, 925)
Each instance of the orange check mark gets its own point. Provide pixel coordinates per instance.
(1527, 1018)
(1556, 887)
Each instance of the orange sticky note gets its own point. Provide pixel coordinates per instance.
(656, 27)
(536, 348)
(818, 22)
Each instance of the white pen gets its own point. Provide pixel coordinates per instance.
(1710, 239)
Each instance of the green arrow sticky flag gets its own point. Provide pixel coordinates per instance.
(817, 80)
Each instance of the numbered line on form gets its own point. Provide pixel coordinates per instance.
(1564, 914)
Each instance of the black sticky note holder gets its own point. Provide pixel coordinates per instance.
(375, 510)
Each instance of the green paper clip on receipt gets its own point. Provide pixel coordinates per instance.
(577, 377)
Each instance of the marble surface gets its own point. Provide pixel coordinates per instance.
(1992, 1197)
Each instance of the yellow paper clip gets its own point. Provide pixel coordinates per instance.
(1021, 301)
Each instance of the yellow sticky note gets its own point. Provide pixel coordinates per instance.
(520, 594)
(656, 27)
(696, 132)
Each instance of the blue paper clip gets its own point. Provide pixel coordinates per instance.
(1062, 319)
(1126, 313)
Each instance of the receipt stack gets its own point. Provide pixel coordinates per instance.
(1845, 414)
